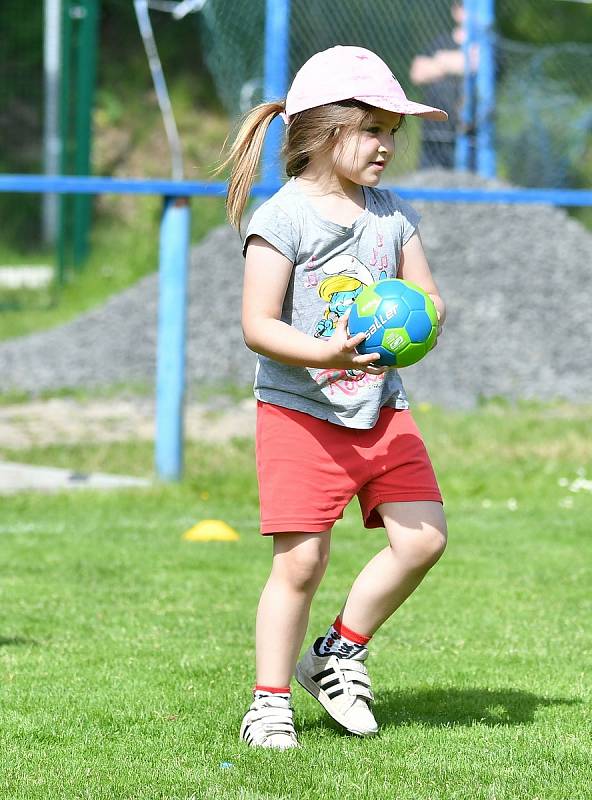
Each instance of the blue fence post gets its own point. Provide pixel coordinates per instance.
(170, 357)
(485, 140)
(462, 154)
(275, 80)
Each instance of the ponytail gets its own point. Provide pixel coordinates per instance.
(244, 156)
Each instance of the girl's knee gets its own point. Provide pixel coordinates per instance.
(424, 547)
(304, 565)
(422, 551)
(435, 543)
(417, 532)
(304, 572)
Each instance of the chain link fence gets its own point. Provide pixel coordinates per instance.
(128, 137)
(543, 86)
(543, 114)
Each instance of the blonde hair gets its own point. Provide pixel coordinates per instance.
(338, 283)
(309, 133)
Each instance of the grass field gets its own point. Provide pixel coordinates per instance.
(126, 653)
(122, 253)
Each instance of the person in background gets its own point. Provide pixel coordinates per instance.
(440, 71)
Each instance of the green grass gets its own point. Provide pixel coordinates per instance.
(220, 395)
(128, 140)
(127, 653)
(122, 252)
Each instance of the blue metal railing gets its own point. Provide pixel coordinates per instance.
(485, 89)
(173, 269)
(97, 185)
(275, 81)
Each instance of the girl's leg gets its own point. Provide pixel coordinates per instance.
(299, 563)
(416, 533)
(338, 677)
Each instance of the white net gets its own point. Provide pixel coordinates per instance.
(544, 113)
(543, 117)
(233, 40)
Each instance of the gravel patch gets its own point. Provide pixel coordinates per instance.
(24, 477)
(66, 421)
(517, 281)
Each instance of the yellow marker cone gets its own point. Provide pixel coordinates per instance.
(211, 530)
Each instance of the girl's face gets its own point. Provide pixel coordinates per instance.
(361, 158)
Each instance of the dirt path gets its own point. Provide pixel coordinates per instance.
(69, 421)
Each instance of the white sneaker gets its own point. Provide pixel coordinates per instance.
(342, 687)
(269, 723)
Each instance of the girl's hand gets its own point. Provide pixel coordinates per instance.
(342, 353)
(414, 267)
(439, 332)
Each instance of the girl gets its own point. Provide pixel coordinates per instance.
(330, 424)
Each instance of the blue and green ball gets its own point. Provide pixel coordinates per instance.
(400, 320)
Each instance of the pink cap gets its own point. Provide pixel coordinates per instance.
(351, 73)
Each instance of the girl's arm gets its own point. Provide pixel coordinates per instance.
(267, 274)
(414, 267)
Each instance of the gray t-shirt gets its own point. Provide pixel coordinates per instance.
(332, 264)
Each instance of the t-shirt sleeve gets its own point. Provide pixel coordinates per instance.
(409, 217)
(272, 223)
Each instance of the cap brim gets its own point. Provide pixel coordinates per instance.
(404, 107)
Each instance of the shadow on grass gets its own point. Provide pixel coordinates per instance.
(455, 707)
(8, 641)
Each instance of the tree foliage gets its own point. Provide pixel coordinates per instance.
(545, 21)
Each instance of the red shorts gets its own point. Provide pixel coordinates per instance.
(309, 469)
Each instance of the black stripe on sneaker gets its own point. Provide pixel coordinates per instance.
(329, 684)
(320, 675)
(336, 693)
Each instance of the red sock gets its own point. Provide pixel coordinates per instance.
(347, 633)
(342, 641)
(261, 691)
